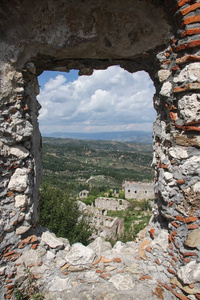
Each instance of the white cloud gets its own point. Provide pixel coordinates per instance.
(108, 100)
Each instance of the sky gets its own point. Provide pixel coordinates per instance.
(108, 100)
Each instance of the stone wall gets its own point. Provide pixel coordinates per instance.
(160, 37)
(138, 190)
(111, 203)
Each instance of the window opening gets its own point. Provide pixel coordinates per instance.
(109, 105)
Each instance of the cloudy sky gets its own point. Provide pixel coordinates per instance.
(108, 100)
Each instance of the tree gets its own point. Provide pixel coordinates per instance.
(59, 212)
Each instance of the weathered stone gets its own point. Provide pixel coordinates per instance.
(168, 176)
(51, 240)
(163, 75)
(19, 151)
(22, 229)
(20, 200)
(193, 239)
(59, 284)
(190, 73)
(122, 282)
(178, 152)
(185, 288)
(189, 273)
(166, 89)
(191, 166)
(196, 187)
(189, 106)
(99, 245)
(80, 255)
(19, 180)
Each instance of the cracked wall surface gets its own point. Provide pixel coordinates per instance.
(160, 37)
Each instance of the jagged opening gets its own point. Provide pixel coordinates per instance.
(111, 100)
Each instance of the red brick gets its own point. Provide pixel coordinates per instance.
(100, 271)
(117, 259)
(34, 246)
(175, 68)
(158, 262)
(174, 224)
(191, 128)
(65, 273)
(179, 89)
(152, 232)
(190, 20)
(187, 260)
(143, 277)
(174, 258)
(189, 254)
(180, 296)
(180, 181)
(9, 291)
(171, 238)
(120, 271)
(165, 286)
(192, 226)
(191, 219)
(8, 253)
(192, 31)
(182, 2)
(167, 62)
(97, 261)
(190, 8)
(11, 286)
(185, 46)
(148, 249)
(171, 271)
(10, 194)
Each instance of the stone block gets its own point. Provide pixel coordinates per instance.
(189, 273)
(80, 255)
(166, 89)
(193, 239)
(19, 180)
(51, 240)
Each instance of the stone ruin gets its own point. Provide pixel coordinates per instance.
(138, 190)
(111, 203)
(161, 37)
(104, 226)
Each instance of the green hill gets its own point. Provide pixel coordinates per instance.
(70, 162)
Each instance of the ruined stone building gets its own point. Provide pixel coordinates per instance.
(83, 194)
(161, 37)
(111, 203)
(103, 225)
(138, 190)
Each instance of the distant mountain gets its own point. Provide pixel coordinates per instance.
(141, 137)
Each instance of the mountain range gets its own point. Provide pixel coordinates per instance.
(141, 137)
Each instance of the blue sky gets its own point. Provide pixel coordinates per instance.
(108, 100)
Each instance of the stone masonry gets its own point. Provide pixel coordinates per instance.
(161, 37)
(138, 190)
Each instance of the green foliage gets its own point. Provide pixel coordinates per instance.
(134, 219)
(27, 288)
(121, 194)
(59, 212)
